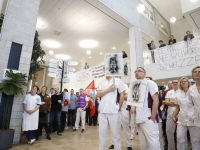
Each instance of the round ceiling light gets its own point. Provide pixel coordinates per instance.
(193, 1)
(62, 56)
(40, 24)
(52, 44)
(113, 47)
(100, 52)
(173, 19)
(51, 52)
(88, 43)
(141, 8)
(90, 57)
(88, 52)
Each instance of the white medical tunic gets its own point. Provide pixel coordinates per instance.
(185, 116)
(108, 103)
(30, 121)
(194, 96)
(171, 95)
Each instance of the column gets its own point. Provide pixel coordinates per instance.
(18, 31)
(136, 51)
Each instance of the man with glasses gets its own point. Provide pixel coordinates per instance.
(81, 106)
(170, 125)
(146, 115)
(109, 110)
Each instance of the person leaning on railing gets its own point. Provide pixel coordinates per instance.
(188, 36)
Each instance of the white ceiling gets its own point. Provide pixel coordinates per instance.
(77, 20)
(168, 8)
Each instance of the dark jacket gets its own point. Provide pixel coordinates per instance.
(55, 105)
(191, 36)
(174, 41)
(162, 45)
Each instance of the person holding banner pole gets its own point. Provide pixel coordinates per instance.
(109, 110)
(124, 120)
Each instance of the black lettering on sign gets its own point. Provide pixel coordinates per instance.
(182, 61)
(190, 61)
(197, 59)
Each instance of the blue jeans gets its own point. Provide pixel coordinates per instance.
(30, 134)
(54, 114)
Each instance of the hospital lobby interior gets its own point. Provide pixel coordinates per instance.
(73, 74)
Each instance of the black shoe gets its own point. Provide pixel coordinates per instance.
(165, 147)
(129, 148)
(48, 137)
(111, 147)
(82, 130)
(37, 136)
(74, 130)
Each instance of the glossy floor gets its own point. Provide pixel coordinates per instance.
(73, 141)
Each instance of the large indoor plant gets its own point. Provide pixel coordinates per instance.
(13, 85)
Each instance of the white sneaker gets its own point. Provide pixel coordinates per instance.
(132, 138)
(32, 141)
(67, 127)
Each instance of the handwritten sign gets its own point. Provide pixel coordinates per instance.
(113, 64)
(179, 55)
(83, 75)
(97, 72)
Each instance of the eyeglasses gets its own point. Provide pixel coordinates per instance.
(196, 71)
(138, 71)
(184, 81)
(175, 82)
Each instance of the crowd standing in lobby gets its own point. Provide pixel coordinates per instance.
(168, 119)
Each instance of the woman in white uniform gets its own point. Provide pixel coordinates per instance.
(170, 125)
(31, 105)
(185, 112)
(194, 96)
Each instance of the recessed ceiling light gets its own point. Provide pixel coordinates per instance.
(88, 52)
(100, 52)
(62, 56)
(40, 24)
(163, 82)
(113, 47)
(88, 43)
(52, 44)
(90, 57)
(141, 8)
(128, 42)
(51, 52)
(173, 19)
(193, 1)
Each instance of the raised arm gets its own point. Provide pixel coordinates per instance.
(155, 106)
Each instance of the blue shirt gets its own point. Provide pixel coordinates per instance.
(73, 101)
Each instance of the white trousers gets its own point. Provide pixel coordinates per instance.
(198, 130)
(124, 121)
(170, 129)
(149, 136)
(133, 125)
(182, 137)
(106, 119)
(161, 136)
(80, 113)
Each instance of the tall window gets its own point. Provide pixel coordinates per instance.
(148, 13)
(163, 25)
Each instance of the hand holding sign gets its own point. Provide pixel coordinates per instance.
(112, 88)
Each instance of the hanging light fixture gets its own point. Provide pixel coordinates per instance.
(141, 8)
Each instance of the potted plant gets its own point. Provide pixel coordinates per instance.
(10, 87)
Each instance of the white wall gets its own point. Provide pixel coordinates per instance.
(188, 6)
(179, 28)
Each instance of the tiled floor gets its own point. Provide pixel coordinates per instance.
(73, 141)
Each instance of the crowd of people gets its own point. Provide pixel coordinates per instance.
(152, 46)
(167, 119)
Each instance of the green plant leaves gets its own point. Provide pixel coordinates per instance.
(15, 83)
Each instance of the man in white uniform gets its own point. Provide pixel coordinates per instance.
(124, 121)
(31, 105)
(147, 116)
(109, 110)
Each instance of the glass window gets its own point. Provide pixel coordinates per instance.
(147, 13)
(151, 15)
(163, 27)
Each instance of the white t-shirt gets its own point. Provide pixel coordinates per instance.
(142, 113)
(194, 96)
(171, 95)
(185, 116)
(108, 102)
(124, 106)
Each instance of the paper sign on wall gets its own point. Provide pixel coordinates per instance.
(113, 64)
